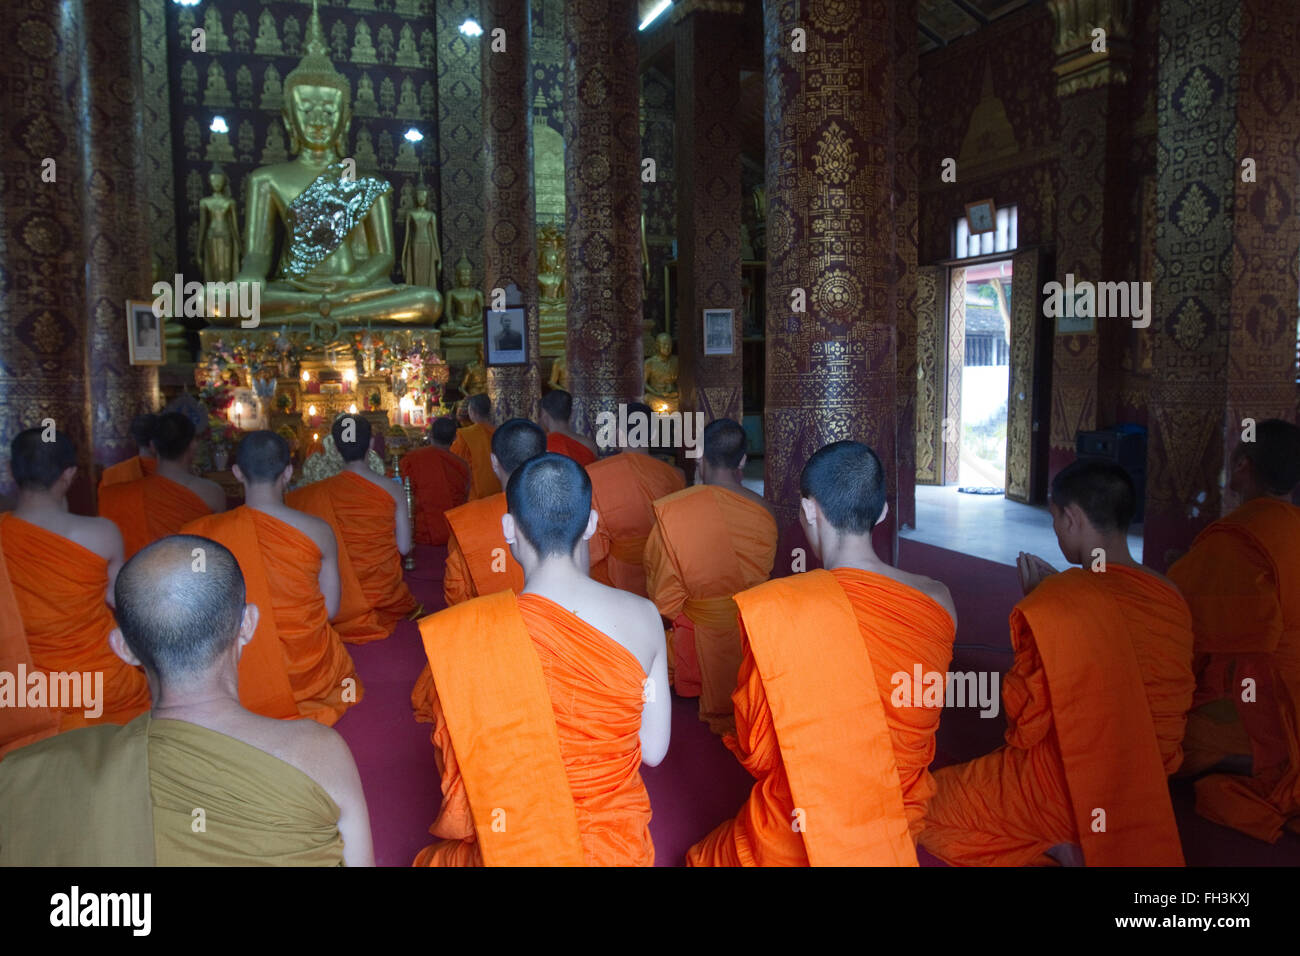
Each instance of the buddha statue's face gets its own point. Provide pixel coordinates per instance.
(462, 277)
(315, 114)
(665, 343)
(422, 197)
(218, 182)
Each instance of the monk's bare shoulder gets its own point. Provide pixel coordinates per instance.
(644, 633)
(935, 590)
(318, 529)
(213, 495)
(95, 534)
(316, 750)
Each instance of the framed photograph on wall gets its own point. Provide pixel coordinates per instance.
(982, 217)
(719, 335)
(144, 334)
(506, 336)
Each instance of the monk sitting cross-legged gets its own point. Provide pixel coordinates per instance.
(557, 409)
(815, 720)
(138, 465)
(372, 525)
(1242, 582)
(547, 702)
(474, 444)
(268, 792)
(1095, 701)
(160, 504)
(62, 567)
(709, 542)
(624, 488)
(296, 664)
(439, 482)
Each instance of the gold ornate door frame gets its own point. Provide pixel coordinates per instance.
(1026, 379)
(940, 350)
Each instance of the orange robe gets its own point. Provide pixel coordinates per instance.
(564, 445)
(132, 468)
(373, 593)
(1242, 581)
(149, 508)
(439, 482)
(474, 444)
(296, 664)
(538, 739)
(19, 725)
(812, 728)
(624, 488)
(59, 587)
(707, 545)
(1086, 763)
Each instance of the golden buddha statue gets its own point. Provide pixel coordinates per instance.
(464, 304)
(322, 208)
(661, 376)
(475, 380)
(421, 257)
(559, 373)
(218, 232)
(551, 287)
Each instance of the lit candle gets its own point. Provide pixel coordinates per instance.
(306, 375)
(352, 409)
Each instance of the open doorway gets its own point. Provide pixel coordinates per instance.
(985, 376)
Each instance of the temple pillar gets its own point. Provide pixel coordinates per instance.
(832, 368)
(1092, 87)
(1224, 318)
(708, 203)
(509, 228)
(459, 136)
(903, 295)
(602, 181)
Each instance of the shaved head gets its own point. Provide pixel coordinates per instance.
(443, 431)
(480, 405)
(38, 464)
(550, 499)
(846, 480)
(358, 429)
(1274, 455)
(724, 443)
(1102, 490)
(172, 435)
(515, 441)
(559, 405)
(180, 603)
(262, 457)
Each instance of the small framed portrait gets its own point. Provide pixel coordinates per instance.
(719, 336)
(144, 334)
(506, 336)
(981, 216)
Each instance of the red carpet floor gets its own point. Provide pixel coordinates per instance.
(700, 784)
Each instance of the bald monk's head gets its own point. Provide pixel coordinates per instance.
(479, 409)
(1269, 466)
(352, 436)
(724, 452)
(442, 432)
(513, 443)
(842, 497)
(173, 438)
(1091, 501)
(262, 461)
(43, 467)
(181, 616)
(557, 409)
(637, 411)
(548, 501)
(142, 430)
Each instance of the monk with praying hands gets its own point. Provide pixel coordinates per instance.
(161, 503)
(372, 526)
(542, 729)
(267, 792)
(296, 665)
(1096, 704)
(61, 569)
(1242, 582)
(557, 409)
(474, 444)
(843, 774)
(439, 482)
(624, 488)
(709, 542)
(144, 462)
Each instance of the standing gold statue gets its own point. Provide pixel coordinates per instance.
(321, 206)
(661, 375)
(464, 303)
(475, 380)
(421, 257)
(559, 373)
(218, 232)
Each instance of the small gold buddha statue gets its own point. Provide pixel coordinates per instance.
(218, 231)
(661, 376)
(321, 207)
(475, 380)
(559, 373)
(421, 257)
(464, 304)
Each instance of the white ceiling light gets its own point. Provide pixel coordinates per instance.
(471, 28)
(655, 14)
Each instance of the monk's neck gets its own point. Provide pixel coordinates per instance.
(40, 502)
(731, 485)
(177, 471)
(555, 575)
(440, 447)
(359, 467)
(851, 551)
(263, 496)
(1113, 549)
(210, 698)
(637, 449)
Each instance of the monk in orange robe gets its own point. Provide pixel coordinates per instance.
(20, 724)
(474, 444)
(370, 521)
(1242, 582)
(62, 568)
(709, 543)
(160, 504)
(1096, 702)
(439, 482)
(540, 732)
(556, 412)
(138, 465)
(624, 488)
(296, 664)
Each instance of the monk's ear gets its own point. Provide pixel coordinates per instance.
(593, 519)
(508, 528)
(809, 508)
(884, 512)
(744, 460)
(287, 474)
(239, 475)
(248, 625)
(118, 643)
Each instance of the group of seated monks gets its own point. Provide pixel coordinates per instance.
(549, 672)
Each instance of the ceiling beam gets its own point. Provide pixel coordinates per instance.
(930, 34)
(973, 12)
